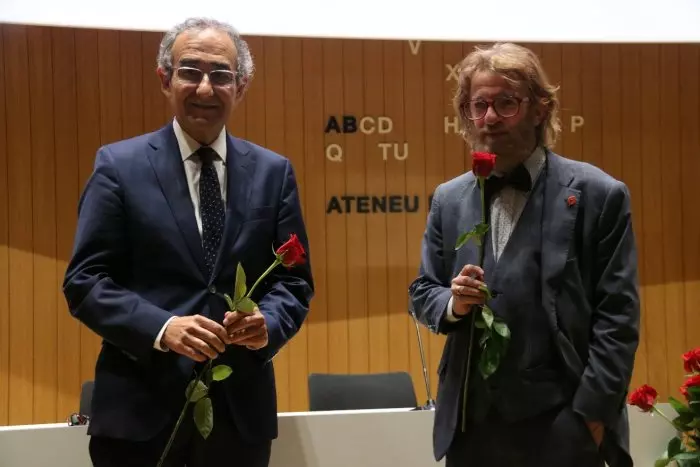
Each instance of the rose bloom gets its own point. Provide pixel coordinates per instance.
(691, 361)
(644, 397)
(292, 252)
(483, 163)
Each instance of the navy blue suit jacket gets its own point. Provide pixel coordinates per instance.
(138, 260)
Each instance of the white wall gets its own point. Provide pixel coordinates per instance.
(462, 20)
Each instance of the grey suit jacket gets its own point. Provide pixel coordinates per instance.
(589, 291)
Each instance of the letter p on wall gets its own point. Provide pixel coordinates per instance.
(577, 121)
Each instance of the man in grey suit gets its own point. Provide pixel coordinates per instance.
(561, 255)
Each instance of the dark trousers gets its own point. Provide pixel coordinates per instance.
(224, 447)
(555, 438)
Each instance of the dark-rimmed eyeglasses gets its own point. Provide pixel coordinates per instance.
(192, 75)
(504, 106)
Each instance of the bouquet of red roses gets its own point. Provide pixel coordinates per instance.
(682, 448)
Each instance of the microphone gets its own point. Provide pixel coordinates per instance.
(430, 404)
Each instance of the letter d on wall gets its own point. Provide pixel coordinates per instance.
(576, 122)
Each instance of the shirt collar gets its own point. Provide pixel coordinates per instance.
(189, 145)
(534, 163)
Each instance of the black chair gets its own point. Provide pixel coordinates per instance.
(363, 391)
(86, 398)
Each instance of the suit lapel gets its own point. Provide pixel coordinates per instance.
(559, 219)
(240, 167)
(167, 163)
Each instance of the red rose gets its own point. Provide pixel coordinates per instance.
(644, 398)
(691, 361)
(691, 382)
(483, 163)
(291, 252)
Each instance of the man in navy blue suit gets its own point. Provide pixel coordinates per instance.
(164, 220)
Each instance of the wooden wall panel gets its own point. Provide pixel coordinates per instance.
(294, 143)
(43, 212)
(21, 248)
(689, 138)
(65, 119)
(630, 109)
(4, 248)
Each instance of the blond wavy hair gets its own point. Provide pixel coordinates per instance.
(518, 65)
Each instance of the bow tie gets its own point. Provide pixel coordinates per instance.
(518, 178)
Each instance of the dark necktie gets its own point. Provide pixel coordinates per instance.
(211, 207)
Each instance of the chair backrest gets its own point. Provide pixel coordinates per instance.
(361, 391)
(86, 398)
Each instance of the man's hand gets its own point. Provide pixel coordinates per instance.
(597, 430)
(247, 329)
(465, 289)
(195, 336)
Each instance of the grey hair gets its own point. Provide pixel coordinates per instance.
(244, 65)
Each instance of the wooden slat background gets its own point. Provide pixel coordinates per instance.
(64, 92)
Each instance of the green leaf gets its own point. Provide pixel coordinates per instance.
(663, 462)
(221, 372)
(486, 291)
(686, 456)
(481, 229)
(462, 239)
(229, 302)
(246, 305)
(479, 324)
(695, 407)
(694, 393)
(681, 422)
(489, 361)
(674, 447)
(487, 314)
(194, 393)
(241, 288)
(483, 340)
(501, 328)
(678, 406)
(204, 417)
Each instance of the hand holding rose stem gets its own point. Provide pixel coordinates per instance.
(290, 254)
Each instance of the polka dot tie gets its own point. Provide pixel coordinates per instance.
(211, 207)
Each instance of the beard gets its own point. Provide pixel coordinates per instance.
(511, 146)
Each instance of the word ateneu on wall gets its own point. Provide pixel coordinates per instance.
(373, 204)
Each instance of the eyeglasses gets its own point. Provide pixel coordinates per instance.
(195, 75)
(504, 106)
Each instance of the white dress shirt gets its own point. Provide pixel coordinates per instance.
(193, 167)
(506, 207)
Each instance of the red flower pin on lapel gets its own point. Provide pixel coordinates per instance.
(571, 200)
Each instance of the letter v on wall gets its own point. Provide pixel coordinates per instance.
(415, 46)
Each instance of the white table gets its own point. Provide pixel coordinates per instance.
(368, 438)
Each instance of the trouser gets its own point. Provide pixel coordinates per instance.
(224, 447)
(556, 438)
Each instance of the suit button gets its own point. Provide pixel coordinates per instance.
(212, 289)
